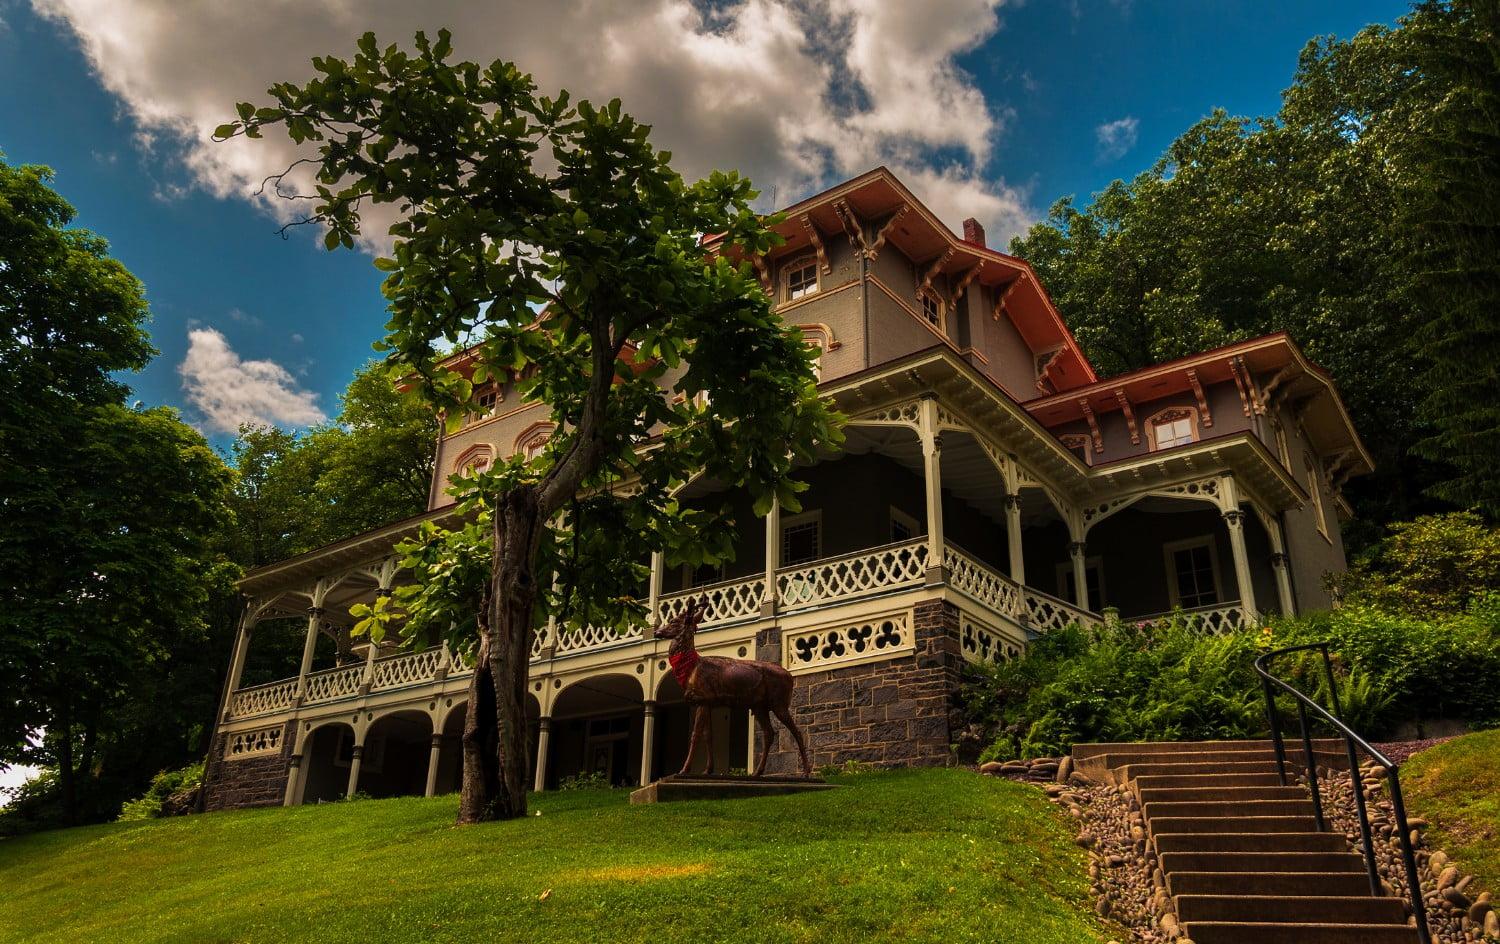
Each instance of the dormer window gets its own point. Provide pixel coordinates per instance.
(801, 278)
(932, 307)
(1177, 426)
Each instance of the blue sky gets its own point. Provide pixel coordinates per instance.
(1054, 99)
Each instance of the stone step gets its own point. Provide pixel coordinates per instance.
(1222, 932)
(1220, 794)
(1084, 751)
(1159, 825)
(1214, 809)
(1305, 884)
(1250, 842)
(1295, 760)
(1206, 860)
(1167, 781)
(1135, 771)
(1266, 909)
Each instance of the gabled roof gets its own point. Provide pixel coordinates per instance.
(1293, 379)
(875, 197)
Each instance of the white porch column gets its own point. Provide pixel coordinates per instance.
(433, 756)
(382, 589)
(648, 741)
(293, 779)
(932, 469)
(543, 736)
(1283, 584)
(750, 743)
(314, 618)
(359, 752)
(653, 591)
(237, 660)
(1079, 552)
(1013, 538)
(773, 558)
(1234, 519)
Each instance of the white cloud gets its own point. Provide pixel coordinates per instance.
(1114, 139)
(229, 391)
(795, 93)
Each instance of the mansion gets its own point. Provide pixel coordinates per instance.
(991, 488)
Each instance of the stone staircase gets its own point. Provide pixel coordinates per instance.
(1241, 856)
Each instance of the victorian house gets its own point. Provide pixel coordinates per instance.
(991, 488)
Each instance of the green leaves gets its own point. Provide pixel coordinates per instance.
(578, 282)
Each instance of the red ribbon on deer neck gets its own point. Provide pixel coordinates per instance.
(683, 664)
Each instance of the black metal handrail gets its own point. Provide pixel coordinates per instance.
(1352, 743)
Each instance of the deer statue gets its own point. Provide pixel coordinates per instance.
(709, 682)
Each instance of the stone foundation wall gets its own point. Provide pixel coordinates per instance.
(896, 713)
(253, 781)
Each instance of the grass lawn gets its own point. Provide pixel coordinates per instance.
(934, 855)
(1456, 787)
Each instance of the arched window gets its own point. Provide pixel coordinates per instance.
(1176, 426)
(533, 440)
(821, 337)
(799, 278)
(476, 458)
(1078, 445)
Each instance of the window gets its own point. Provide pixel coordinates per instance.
(801, 538)
(903, 526)
(819, 336)
(487, 400)
(932, 308)
(702, 575)
(1093, 572)
(1314, 481)
(1175, 427)
(1193, 572)
(1078, 445)
(533, 440)
(801, 277)
(1281, 449)
(474, 459)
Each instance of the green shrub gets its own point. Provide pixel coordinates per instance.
(163, 785)
(1430, 565)
(585, 781)
(1166, 681)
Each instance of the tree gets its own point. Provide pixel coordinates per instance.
(1454, 209)
(107, 510)
(561, 243)
(1287, 223)
(369, 466)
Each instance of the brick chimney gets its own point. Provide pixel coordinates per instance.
(973, 232)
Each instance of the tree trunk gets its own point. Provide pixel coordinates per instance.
(66, 782)
(495, 750)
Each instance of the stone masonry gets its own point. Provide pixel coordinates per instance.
(253, 781)
(892, 713)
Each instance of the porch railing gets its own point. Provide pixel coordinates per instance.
(1214, 619)
(259, 699)
(891, 567)
(409, 668)
(1037, 610)
(864, 573)
(332, 684)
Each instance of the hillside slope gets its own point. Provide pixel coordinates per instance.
(936, 855)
